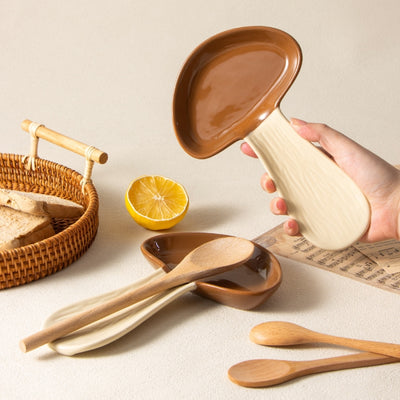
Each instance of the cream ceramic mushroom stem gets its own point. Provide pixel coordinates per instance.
(312, 185)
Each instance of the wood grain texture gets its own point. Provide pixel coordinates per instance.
(211, 258)
(279, 333)
(114, 326)
(264, 373)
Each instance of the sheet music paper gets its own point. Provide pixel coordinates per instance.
(376, 264)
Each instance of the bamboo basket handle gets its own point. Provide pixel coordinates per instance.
(61, 140)
(90, 153)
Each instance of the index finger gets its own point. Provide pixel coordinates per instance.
(246, 149)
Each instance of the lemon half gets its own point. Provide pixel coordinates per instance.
(156, 202)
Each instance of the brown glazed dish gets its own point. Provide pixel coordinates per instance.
(230, 84)
(245, 287)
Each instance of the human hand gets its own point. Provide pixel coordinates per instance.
(377, 179)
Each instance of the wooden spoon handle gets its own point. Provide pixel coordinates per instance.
(88, 303)
(331, 210)
(265, 373)
(389, 349)
(113, 327)
(211, 258)
(75, 322)
(342, 362)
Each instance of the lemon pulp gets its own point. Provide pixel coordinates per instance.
(156, 202)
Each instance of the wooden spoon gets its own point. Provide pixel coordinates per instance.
(264, 373)
(245, 287)
(211, 258)
(116, 325)
(279, 333)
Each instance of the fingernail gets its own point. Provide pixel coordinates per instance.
(291, 224)
(297, 122)
(292, 227)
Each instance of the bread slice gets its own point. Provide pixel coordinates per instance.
(40, 204)
(19, 229)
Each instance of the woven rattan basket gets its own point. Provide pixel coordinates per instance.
(73, 236)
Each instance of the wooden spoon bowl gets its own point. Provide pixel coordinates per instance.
(211, 258)
(245, 287)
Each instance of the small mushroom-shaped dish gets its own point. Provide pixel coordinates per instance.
(245, 287)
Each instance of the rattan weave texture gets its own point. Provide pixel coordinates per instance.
(73, 236)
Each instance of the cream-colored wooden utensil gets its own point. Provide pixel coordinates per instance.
(264, 373)
(116, 325)
(279, 333)
(246, 287)
(211, 258)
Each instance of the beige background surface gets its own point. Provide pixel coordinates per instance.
(103, 72)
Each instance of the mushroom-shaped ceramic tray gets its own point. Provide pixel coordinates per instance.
(245, 287)
(230, 88)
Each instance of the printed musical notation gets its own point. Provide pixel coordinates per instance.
(386, 254)
(376, 264)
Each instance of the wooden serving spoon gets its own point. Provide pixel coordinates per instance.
(245, 287)
(213, 257)
(278, 333)
(264, 373)
(116, 325)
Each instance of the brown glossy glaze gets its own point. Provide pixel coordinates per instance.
(230, 84)
(245, 287)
